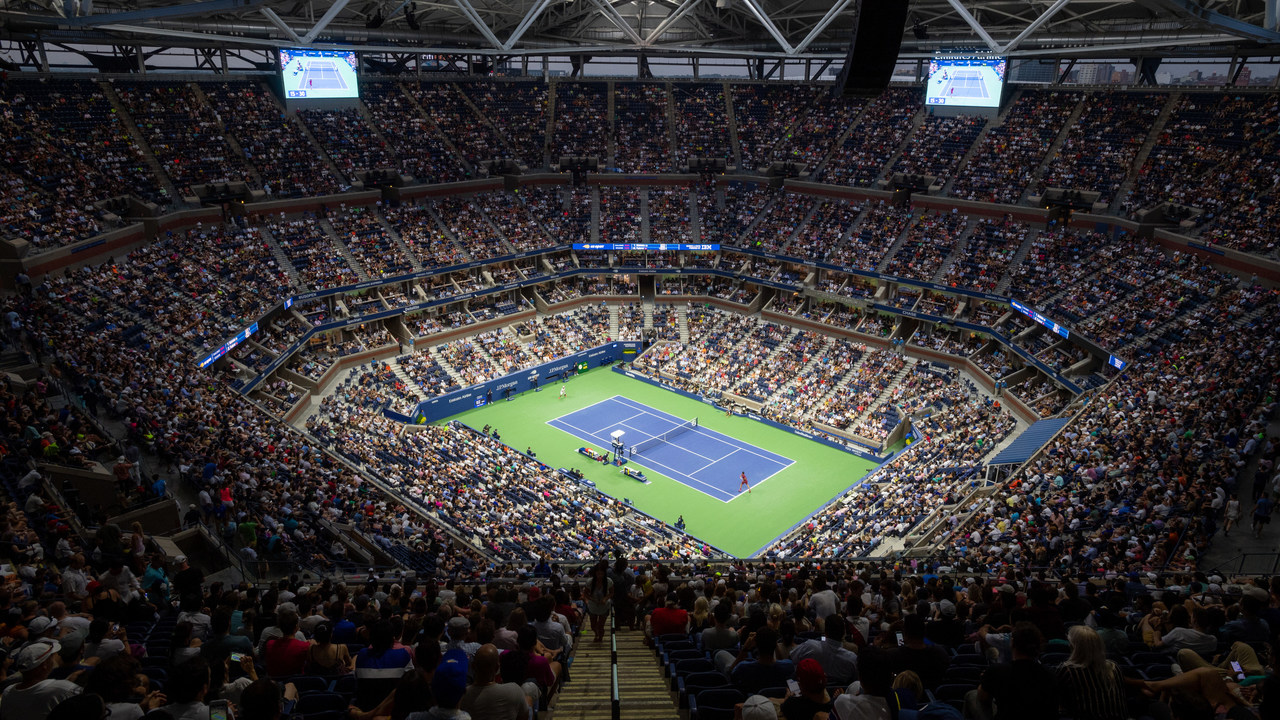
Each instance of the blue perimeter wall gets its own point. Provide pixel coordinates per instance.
(444, 406)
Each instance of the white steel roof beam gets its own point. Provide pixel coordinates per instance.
(478, 22)
(324, 21)
(973, 23)
(763, 17)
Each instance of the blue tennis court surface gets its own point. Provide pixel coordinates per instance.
(703, 459)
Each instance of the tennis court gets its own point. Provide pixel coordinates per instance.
(702, 459)
(322, 75)
(966, 84)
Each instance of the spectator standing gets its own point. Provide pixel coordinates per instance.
(599, 593)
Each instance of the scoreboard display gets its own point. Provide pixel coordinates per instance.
(319, 74)
(975, 80)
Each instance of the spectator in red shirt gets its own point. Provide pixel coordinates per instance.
(286, 655)
(669, 619)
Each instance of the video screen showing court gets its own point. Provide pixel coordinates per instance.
(965, 80)
(318, 74)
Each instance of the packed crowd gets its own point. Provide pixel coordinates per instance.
(1003, 165)
(272, 141)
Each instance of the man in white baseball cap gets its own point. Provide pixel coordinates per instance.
(36, 695)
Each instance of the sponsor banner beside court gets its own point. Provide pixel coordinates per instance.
(480, 394)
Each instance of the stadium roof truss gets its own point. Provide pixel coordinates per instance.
(760, 29)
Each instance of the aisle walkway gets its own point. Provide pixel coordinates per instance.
(642, 690)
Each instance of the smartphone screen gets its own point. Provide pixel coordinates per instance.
(899, 639)
(218, 710)
(237, 657)
(794, 687)
(1239, 670)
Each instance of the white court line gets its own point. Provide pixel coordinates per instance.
(736, 444)
(766, 478)
(685, 449)
(584, 407)
(649, 462)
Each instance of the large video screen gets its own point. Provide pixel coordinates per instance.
(965, 80)
(318, 74)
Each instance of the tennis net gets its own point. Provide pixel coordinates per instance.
(665, 437)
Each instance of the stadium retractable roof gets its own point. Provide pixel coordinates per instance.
(780, 29)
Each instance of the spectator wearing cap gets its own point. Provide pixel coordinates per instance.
(813, 697)
(929, 662)
(489, 699)
(35, 696)
(840, 663)
(458, 629)
(765, 671)
(186, 579)
(1021, 688)
(944, 629)
(759, 707)
(448, 686)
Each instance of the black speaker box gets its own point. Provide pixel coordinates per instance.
(877, 36)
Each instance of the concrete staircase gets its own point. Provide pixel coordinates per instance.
(440, 134)
(1058, 142)
(1157, 129)
(956, 253)
(894, 248)
(232, 142)
(343, 250)
(671, 130)
(642, 689)
(613, 321)
(1018, 257)
(733, 126)
(376, 130)
(682, 318)
(448, 367)
(480, 116)
(977, 141)
(802, 225)
(306, 133)
(398, 241)
(611, 132)
(887, 392)
(281, 258)
(408, 381)
(816, 172)
(551, 123)
(149, 155)
(916, 122)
